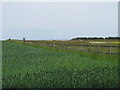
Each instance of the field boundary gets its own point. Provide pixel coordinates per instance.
(81, 47)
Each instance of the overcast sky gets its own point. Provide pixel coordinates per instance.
(48, 21)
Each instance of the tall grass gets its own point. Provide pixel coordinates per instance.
(32, 66)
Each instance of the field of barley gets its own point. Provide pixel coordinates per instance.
(26, 65)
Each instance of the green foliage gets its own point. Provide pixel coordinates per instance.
(32, 66)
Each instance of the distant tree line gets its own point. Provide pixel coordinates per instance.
(94, 38)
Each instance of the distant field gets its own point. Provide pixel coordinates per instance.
(105, 42)
(33, 66)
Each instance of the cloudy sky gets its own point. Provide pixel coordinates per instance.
(61, 21)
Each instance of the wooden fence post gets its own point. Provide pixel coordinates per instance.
(110, 49)
(89, 48)
(98, 49)
(81, 48)
(44, 43)
(54, 44)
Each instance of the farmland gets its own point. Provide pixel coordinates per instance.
(35, 65)
(93, 46)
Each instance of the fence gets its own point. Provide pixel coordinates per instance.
(83, 48)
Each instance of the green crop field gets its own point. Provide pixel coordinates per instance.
(34, 66)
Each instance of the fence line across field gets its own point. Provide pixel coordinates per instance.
(81, 46)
